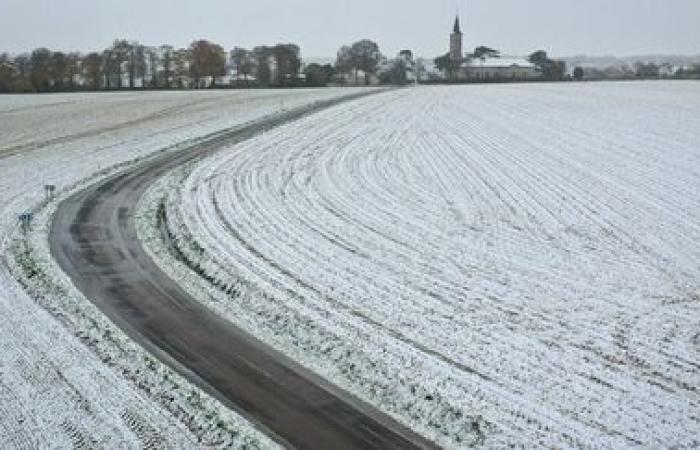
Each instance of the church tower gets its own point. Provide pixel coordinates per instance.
(456, 39)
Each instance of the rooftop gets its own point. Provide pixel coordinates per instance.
(504, 61)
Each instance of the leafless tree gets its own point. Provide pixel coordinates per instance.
(22, 81)
(115, 58)
(181, 67)
(92, 70)
(243, 61)
(208, 60)
(288, 62)
(135, 62)
(7, 73)
(153, 66)
(261, 56)
(365, 56)
(343, 62)
(74, 68)
(40, 64)
(58, 70)
(167, 58)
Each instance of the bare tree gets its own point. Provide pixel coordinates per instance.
(58, 70)
(263, 73)
(288, 62)
(115, 58)
(343, 63)
(153, 66)
(40, 66)
(135, 56)
(167, 57)
(74, 68)
(7, 73)
(365, 56)
(23, 69)
(108, 67)
(182, 60)
(208, 60)
(243, 61)
(92, 70)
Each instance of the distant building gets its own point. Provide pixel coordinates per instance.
(406, 56)
(667, 70)
(456, 43)
(501, 68)
(486, 68)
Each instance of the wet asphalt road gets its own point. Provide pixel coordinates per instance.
(93, 238)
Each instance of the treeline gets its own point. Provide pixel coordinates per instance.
(204, 64)
(639, 70)
(129, 64)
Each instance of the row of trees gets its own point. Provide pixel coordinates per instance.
(640, 70)
(688, 73)
(129, 64)
(124, 64)
(552, 69)
(267, 66)
(362, 57)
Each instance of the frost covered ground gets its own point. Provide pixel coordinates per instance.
(67, 376)
(511, 264)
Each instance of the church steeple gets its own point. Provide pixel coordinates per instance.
(456, 41)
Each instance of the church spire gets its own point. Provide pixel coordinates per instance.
(456, 43)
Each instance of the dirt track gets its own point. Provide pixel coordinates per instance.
(93, 238)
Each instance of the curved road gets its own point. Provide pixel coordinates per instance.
(94, 240)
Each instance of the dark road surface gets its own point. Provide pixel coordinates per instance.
(93, 238)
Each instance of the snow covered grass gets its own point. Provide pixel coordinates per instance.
(188, 415)
(491, 265)
(68, 376)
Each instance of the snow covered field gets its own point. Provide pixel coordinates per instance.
(511, 264)
(68, 377)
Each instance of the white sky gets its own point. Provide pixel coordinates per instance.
(562, 27)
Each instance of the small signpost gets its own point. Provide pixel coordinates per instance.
(25, 220)
(50, 190)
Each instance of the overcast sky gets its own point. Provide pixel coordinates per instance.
(562, 27)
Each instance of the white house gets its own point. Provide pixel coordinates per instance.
(501, 68)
